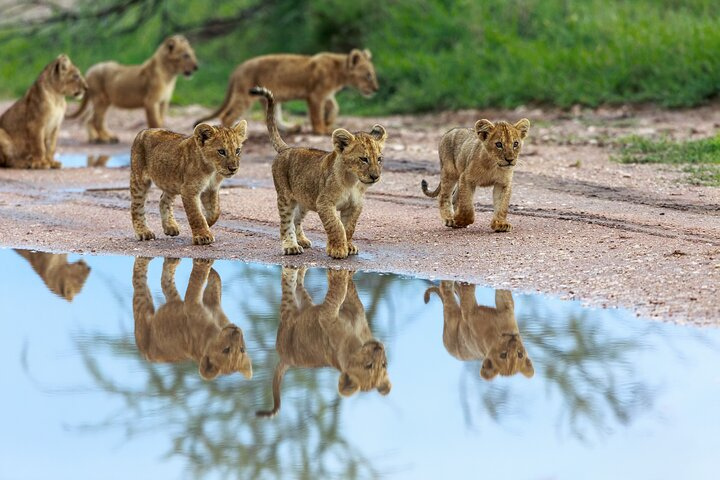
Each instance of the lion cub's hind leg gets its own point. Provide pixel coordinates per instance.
(210, 200)
(286, 209)
(169, 224)
(139, 187)
(298, 217)
(100, 108)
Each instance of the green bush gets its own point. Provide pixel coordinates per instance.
(430, 54)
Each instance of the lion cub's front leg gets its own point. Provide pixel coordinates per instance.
(465, 213)
(139, 187)
(337, 245)
(169, 224)
(501, 201)
(201, 233)
(349, 219)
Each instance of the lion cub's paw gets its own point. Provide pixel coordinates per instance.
(500, 226)
(205, 238)
(55, 164)
(145, 235)
(293, 250)
(450, 222)
(172, 230)
(304, 242)
(337, 251)
(204, 262)
(353, 249)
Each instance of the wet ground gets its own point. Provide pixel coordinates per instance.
(608, 395)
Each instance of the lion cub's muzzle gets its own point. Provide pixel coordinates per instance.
(190, 70)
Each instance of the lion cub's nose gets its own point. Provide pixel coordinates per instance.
(374, 177)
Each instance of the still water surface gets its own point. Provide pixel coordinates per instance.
(76, 160)
(104, 364)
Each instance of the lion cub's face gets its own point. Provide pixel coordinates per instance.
(222, 146)
(362, 72)
(507, 357)
(68, 280)
(226, 354)
(503, 141)
(361, 153)
(66, 78)
(366, 369)
(180, 55)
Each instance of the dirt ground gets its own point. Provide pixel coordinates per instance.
(585, 227)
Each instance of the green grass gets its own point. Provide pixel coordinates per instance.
(430, 54)
(701, 158)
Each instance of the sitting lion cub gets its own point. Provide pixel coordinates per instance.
(149, 86)
(473, 332)
(192, 167)
(333, 334)
(481, 157)
(192, 329)
(29, 128)
(329, 183)
(315, 79)
(61, 277)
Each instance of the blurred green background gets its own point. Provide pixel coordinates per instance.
(430, 54)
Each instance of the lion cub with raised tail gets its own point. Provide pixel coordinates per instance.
(329, 183)
(190, 166)
(479, 157)
(477, 332)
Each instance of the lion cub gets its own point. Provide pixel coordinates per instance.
(29, 128)
(149, 86)
(192, 167)
(61, 277)
(195, 328)
(473, 332)
(334, 334)
(329, 183)
(478, 157)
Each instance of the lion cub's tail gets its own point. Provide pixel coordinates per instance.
(278, 143)
(280, 370)
(430, 290)
(81, 109)
(427, 192)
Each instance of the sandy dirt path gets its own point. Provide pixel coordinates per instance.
(585, 227)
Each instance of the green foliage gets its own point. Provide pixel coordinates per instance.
(702, 156)
(430, 54)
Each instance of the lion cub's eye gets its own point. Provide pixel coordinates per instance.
(237, 152)
(242, 349)
(222, 152)
(368, 366)
(380, 159)
(515, 144)
(498, 144)
(503, 355)
(226, 350)
(186, 56)
(365, 159)
(369, 76)
(520, 354)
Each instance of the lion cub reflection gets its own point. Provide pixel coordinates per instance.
(61, 277)
(334, 333)
(473, 331)
(192, 329)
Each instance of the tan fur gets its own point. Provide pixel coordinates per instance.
(334, 334)
(29, 128)
(62, 278)
(195, 328)
(471, 158)
(330, 183)
(192, 167)
(149, 86)
(315, 79)
(473, 332)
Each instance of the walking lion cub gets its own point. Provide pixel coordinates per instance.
(329, 183)
(473, 332)
(479, 157)
(190, 166)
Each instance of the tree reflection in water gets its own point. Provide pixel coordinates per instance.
(213, 424)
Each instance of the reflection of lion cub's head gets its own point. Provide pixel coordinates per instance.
(473, 331)
(365, 369)
(225, 354)
(68, 279)
(361, 153)
(178, 55)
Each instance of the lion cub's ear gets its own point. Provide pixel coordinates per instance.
(241, 129)
(488, 370)
(204, 132)
(378, 133)
(62, 63)
(354, 57)
(170, 43)
(523, 127)
(368, 53)
(527, 369)
(347, 385)
(341, 139)
(385, 387)
(484, 128)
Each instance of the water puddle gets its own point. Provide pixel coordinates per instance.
(136, 368)
(76, 160)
